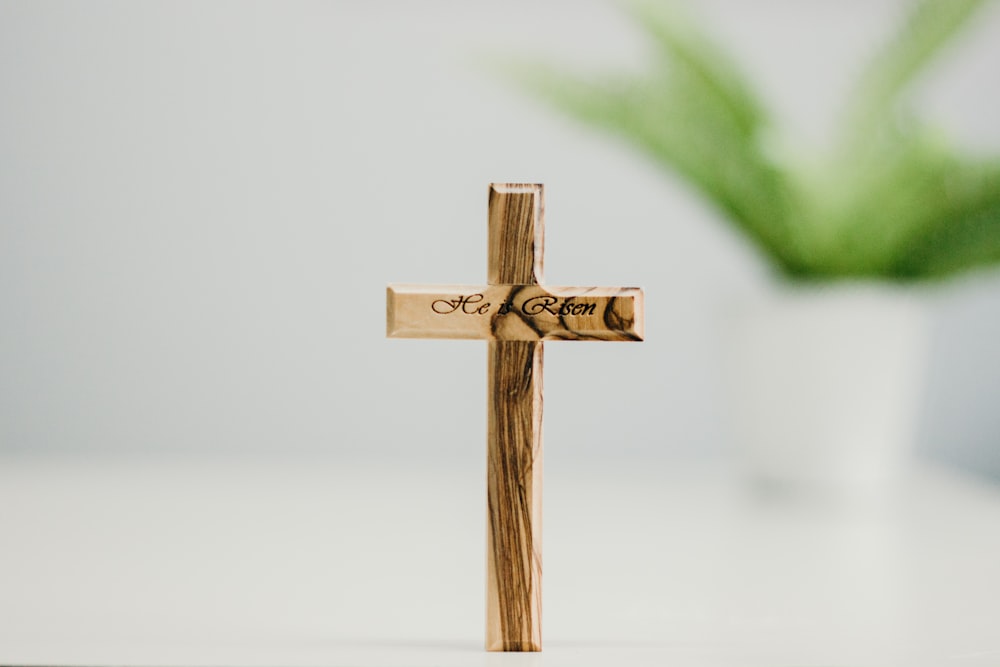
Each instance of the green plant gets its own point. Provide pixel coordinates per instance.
(893, 200)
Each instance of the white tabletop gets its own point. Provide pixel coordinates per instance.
(268, 563)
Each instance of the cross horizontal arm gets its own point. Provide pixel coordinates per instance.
(514, 312)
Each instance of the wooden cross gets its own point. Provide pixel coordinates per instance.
(515, 313)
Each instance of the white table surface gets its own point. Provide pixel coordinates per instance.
(285, 563)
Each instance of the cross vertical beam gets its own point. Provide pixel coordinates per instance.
(514, 439)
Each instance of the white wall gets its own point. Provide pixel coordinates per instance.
(201, 203)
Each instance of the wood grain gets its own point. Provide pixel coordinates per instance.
(514, 497)
(514, 312)
(515, 234)
(514, 434)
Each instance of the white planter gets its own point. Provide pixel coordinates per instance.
(825, 385)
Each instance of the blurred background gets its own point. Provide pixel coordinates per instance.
(201, 204)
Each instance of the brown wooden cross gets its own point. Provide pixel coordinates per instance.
(515, 313)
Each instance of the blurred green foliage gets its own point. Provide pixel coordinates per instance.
(892, 200)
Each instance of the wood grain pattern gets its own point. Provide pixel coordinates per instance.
(514, 497)
(514, 433)
(514, 312)
(515, 234)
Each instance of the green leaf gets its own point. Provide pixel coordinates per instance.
(879, 202)
(929, 25)
(961, 228)
(685, 47)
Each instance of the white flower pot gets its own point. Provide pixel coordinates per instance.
(825, 385)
